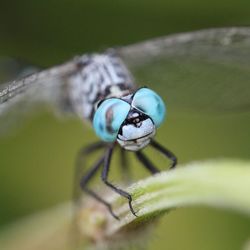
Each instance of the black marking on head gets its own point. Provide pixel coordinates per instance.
(100, 102)
(131, 119)
(134, 116)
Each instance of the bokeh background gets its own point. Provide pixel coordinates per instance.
(37, 159)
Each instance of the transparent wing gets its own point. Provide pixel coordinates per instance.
(25, 94)
(207, 70)
(11, 69)
(43, 86)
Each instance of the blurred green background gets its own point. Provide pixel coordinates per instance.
(37, 160)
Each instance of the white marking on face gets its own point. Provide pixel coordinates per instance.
(135, 145)
(132, 131)
(134, 138)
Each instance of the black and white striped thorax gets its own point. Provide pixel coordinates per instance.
(100, 76)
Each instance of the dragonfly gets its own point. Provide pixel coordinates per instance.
(206, 71)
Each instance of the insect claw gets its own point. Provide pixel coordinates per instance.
(115, 216)
(174, 162)
(112, 213)
(131, 207)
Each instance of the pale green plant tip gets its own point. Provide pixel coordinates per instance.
(218, 183)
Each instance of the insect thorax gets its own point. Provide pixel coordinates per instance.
(100, 76)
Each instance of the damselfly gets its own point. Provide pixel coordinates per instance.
(207, 70)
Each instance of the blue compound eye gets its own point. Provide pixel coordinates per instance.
(151, 104)
(109, 117)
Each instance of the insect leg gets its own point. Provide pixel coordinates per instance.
(105, 172)
(146, 162)
(87, 177)
(165, 152)
(125, 165)
(81, 156)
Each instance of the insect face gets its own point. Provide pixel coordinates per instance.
(131, 121)
(136, 131)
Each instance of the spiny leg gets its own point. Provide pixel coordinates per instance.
(146, 162)
(165, 152)
(87, 177)
(82, 154)
(105, 172)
